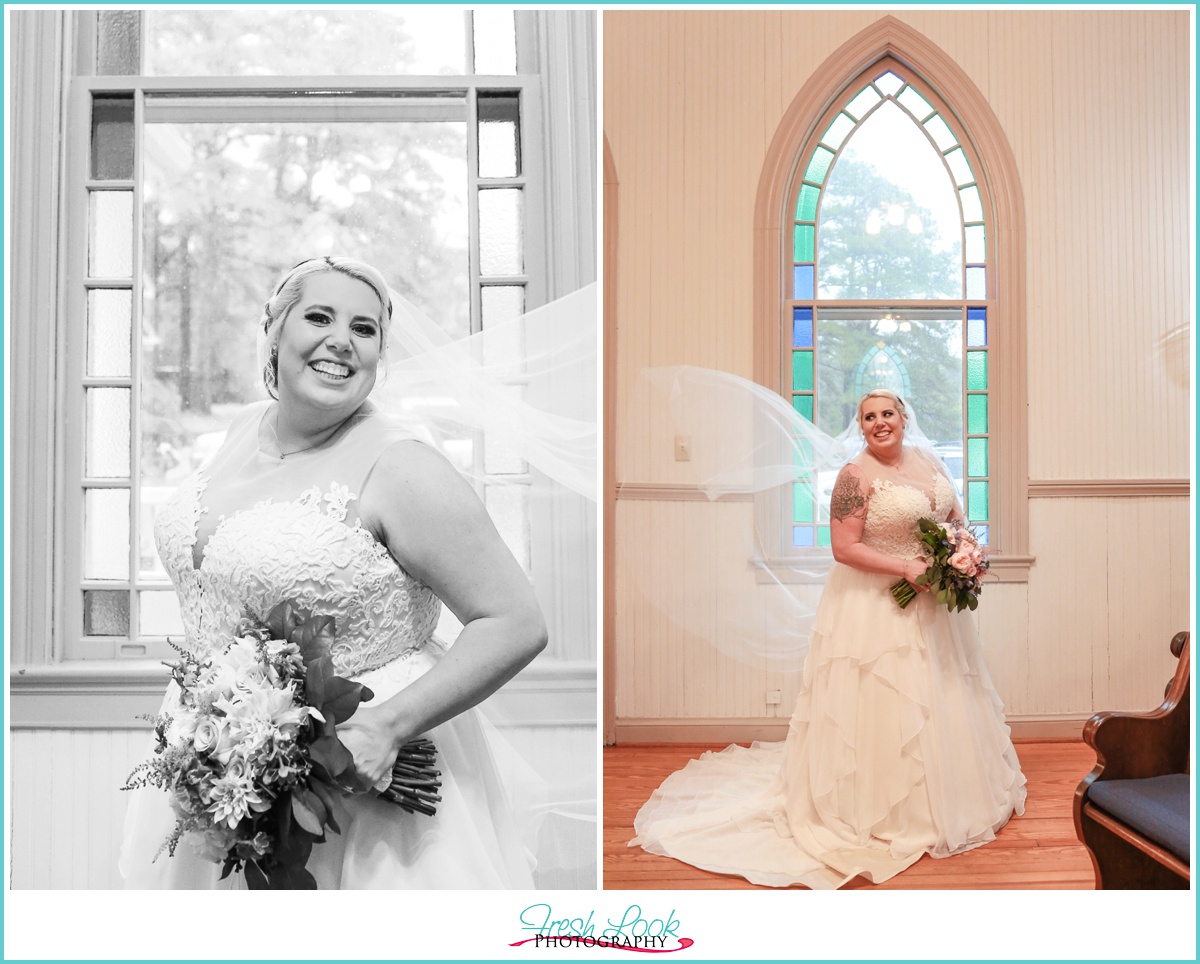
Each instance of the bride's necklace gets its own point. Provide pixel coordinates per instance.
(321, 441)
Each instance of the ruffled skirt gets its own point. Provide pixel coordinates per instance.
(472, 842)
(897, 748)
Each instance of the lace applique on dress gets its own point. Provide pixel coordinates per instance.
(300, 550)
(893, 512)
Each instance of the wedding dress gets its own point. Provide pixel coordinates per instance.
(252, 530)
(897, 746)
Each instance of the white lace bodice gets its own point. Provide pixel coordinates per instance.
(894, 505)
(294, 536)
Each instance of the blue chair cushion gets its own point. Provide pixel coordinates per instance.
(1159, 808)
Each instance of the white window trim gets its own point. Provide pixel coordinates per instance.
(46, 691)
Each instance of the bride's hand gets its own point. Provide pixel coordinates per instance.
(913, 570)
(372, 741)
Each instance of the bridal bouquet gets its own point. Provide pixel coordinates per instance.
(957, 565)
(251, 758)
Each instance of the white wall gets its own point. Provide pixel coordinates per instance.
(1095, 107)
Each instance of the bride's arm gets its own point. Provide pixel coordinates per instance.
(437, 529)
(847, 518)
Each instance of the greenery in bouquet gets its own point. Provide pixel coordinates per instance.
(957, 565)
(250, 756)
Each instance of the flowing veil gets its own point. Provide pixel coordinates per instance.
(760, 465)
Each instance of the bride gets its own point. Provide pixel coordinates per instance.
(897, 746)
(317, 498)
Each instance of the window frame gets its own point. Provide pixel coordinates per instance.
(50, 289)
(829, 83)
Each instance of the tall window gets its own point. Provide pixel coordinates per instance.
(212, 150)
(889, 282)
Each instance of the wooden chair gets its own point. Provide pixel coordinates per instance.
(1133, 810)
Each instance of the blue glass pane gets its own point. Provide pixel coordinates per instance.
(802, 536)
(982, 532)
(977, 327)
(803, 282)
(802, 328)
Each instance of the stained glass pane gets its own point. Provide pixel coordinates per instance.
(500, 232)
(977, 502)
(158, 613)
(499, 135)
(942, 136)
(806, 203)
(972, 207)
(867, 98)
(106, 612)
(889, 225)
(819, 164)
(112, 138)
(977, 457)
(804, 405)
(802, 537)
(889, 83)
(976, 284)
(802, 371)
(495, 41)
(802, 502)
(118, 42)
(106, 534)
(802, 242)
(802, 282)
(802, 450)
(982, 533)
(977, 371)
(977, 414)
(960, 170)
(110, 234)
(109, 318)
(976, 249)
(823, 537)
(107, 433)
(841, 126)
(802, 328)
(917, 105)
(977, 327)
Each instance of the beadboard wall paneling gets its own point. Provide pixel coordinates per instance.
(70, 812)
(1095, 106)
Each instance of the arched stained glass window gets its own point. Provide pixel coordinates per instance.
(889, 281)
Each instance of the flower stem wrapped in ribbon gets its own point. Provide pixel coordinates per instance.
(252, 759)
(957, 565)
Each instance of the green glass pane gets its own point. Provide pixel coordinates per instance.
(940, 131)
(823, 536)
(977, 457)
(917, 105)
(977, 502)
(806, 204)
(802, 451)
(802, 371)
(977, 415)
(977, 371)
(867, 98)
(804, 405)
(841, 126)
(802, 502)
(819, 165)
(802, 242)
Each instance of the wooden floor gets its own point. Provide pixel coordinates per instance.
(1036, 851)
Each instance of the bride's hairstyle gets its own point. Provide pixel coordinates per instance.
(287, 293)
(883, 393)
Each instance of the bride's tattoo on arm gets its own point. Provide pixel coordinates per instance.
(847, 499)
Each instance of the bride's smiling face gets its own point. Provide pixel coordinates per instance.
(329, 344)
(882, 425)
